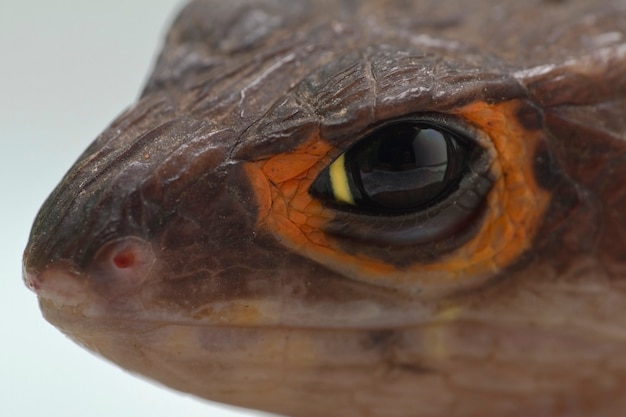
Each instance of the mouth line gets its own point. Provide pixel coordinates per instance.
(141, 323)
(58, 283)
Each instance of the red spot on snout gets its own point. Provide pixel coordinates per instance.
(58, 282)
(122, 263)
(31, 281)
(124, 259)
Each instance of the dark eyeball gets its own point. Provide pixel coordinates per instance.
(400, 167)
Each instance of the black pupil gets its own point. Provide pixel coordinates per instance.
(405, 165)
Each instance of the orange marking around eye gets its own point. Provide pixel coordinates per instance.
(515, 207)
(517, 202)
(285, 167)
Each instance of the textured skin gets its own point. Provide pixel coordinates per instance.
(151, 251)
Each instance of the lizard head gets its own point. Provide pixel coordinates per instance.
(314, 205)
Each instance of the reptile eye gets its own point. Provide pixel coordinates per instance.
(401, 167)
(428, 203)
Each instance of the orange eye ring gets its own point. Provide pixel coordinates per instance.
(515, 206)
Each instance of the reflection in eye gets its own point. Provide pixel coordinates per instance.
(405, 166)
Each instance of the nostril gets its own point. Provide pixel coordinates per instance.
(124, 259)
(122, 263)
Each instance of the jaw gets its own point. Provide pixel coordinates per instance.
(548, 355)
(446, 367)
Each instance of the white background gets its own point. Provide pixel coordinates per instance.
(67, 68)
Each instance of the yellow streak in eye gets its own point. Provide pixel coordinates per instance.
(339, 181)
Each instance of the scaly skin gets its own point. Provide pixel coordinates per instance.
(185, 245)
